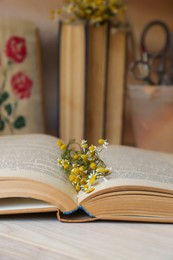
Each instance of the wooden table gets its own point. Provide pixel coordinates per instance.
(44, 237)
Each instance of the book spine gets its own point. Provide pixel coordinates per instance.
(58, 77)
(78, 208)
(72, 82)
(115, 85)
(96, 81)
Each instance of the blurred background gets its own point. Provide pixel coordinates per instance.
(139, 13)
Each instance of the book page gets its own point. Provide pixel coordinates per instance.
(13, 205)
(34, 157)
(134, 166)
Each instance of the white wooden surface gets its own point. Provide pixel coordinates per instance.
(43, 237)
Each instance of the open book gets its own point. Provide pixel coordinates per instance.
(140, 187)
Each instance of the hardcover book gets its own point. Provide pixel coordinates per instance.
(140, 187)
(115, 85)
(96, 81)
(71, 81)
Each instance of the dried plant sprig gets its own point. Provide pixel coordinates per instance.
(92, 11)
(82, 163)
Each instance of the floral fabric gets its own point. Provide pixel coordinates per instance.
(20, 90)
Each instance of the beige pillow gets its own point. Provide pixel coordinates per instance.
(21, 108)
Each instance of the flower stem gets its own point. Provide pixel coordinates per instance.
(4, 80)
(9, 124)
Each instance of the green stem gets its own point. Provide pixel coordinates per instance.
(2, 87)
(8, 65)
(4, 80)
(9, 124)
(15, 109)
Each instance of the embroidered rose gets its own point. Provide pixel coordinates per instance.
(21, 85)
(16, 49)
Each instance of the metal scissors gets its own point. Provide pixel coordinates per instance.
(151, 68)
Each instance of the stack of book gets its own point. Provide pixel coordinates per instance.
(91, 82)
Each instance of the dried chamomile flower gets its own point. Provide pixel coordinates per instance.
(82, 163)
(92, 11)
(103, 142)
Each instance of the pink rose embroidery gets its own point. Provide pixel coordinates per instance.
(16, 49)
(21, 85)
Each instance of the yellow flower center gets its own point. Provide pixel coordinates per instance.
(76, 171)
(76, 156)
(63, 147)
(92, 148)
(101, 141)
(66, 166)
(72, 177)
(84, 157)
(93, 165)
(59, 142)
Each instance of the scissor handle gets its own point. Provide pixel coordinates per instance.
(167, 37)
